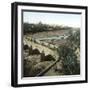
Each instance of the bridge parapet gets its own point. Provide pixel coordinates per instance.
(42, 43)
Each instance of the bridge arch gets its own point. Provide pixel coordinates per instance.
(25, 47)
(46, 57)
(49, 57)
(33, 51)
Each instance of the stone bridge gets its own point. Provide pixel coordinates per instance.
(42, 47)
(46, 48)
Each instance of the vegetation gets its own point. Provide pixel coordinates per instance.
(74, 39)
(68, 55)
(40, 27)
(69, 60)
(67, 52)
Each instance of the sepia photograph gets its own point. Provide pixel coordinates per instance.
(51, 43)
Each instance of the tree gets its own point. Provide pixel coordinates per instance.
(69, 60)
(74, 39)
(68, 55)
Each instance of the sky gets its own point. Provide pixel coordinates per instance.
(72, 20)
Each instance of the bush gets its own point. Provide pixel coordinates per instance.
(69, 60)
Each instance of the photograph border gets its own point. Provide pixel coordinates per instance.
(14, 43)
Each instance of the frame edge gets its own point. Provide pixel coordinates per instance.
(14, 43)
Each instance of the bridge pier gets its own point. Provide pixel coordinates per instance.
(42, 56)
(30, 50)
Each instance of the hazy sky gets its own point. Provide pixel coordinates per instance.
(73, 20)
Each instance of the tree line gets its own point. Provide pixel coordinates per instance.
(40, 27)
